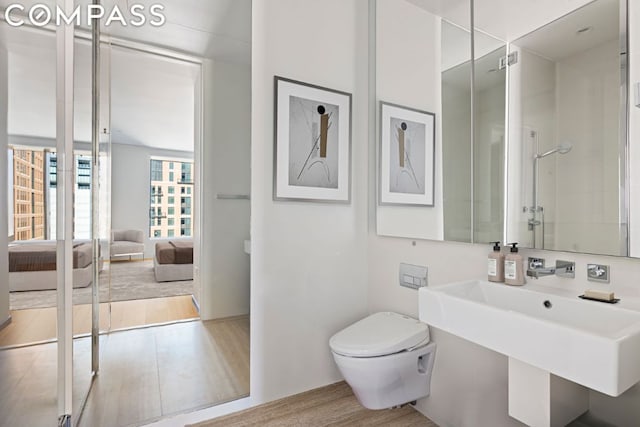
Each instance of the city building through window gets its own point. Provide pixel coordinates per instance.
(32, 188)
(170, 216)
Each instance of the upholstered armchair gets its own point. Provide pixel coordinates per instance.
(127, 243)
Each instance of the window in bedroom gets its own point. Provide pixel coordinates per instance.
(169, 176)
(32, 189)
(185, 226)
(156, 170)
(185, 175)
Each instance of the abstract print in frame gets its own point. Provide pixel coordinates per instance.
(407, 148)
(312, 142)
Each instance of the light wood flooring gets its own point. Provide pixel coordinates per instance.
(150, 373)
(39, 324)
(334, 405)
(145, 374)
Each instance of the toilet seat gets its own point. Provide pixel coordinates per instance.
(380, 334)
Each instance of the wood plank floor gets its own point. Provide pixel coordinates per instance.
(28, 388)
(150, 373)
(333, 405)
(145, 374)
(39, 324)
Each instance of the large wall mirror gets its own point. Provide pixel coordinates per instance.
(530, 136)
(427, 65)
(472, 156)
(567, 118)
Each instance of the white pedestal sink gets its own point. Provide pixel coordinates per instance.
(593, 344)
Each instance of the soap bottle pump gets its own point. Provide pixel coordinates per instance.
(495, 266)
(514, 267)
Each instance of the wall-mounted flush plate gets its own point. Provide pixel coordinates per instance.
(412, 276)
(598, 273)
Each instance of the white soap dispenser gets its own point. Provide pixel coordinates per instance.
(495, 266)
(514, 267)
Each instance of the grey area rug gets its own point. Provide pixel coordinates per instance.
(129, 281)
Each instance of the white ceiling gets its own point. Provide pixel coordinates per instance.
(455, 11)
(218, 29)
(504, 19)
(511, 19)
(456, 45)
(560, 39)
(152, 101)
(152, 97)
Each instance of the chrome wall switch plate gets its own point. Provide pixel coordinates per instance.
(566, 269)
(535, 263)
(412, 276)
(598, 273)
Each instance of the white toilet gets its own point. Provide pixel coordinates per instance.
(386, 358)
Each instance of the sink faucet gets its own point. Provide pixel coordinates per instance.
(562, 269)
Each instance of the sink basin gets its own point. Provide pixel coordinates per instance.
(590, 343)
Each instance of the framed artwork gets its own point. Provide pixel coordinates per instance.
(407, 149)
(312, 143)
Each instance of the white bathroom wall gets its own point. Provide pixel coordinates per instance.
(488, 153)
(456, 157)
(625, 410)
(307, 270)
(130, 192)
(4, 199)
(226, 158)
(308, 262)
(634, 126)
(587, 178)
(469, 384)
(532, 107)
(408, 74)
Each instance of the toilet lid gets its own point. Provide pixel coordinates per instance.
(379, 334)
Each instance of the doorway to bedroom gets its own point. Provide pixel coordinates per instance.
(156, 186)
(152, 122)
(153, 109)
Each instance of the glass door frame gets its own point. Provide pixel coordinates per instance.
(64, 213)
(100, 152)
